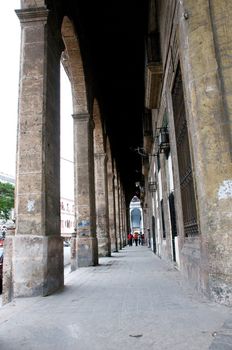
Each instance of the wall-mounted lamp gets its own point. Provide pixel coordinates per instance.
(186, 15)
(139, 185)
(141, 151)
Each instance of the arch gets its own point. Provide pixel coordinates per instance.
(73, 65)
(99, 144)
(110, 170)
(136, 215)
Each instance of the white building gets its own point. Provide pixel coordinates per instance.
(136, 215)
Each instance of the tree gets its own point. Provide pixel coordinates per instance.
(6, 200)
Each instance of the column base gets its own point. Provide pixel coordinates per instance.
(104, 247)
(114, 248)
(120, 245)
(37, 267)
(87, 251)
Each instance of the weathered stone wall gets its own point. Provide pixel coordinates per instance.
(205, 62)
(198, 34)
(221, 12)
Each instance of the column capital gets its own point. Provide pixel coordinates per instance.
(81, 116)
(100, 155)
(39, 16)
(32, 14)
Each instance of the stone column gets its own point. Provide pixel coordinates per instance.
(37, 248)
(122, 221)
(120, 213)
(112, 228)
(102, 212)
(124, 228)
(117, 212)
(205, 48)
(84, 193)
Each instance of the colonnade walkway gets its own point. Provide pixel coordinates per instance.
(132, 300)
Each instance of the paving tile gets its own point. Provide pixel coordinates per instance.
(132, 300)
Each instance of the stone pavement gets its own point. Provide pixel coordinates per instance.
(132, 300)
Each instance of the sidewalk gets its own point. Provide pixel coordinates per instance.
(132, 300)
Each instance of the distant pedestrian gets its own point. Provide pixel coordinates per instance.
(142, 238)
(130, 238)
(136, 237)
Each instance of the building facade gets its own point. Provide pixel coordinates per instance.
(188, 99)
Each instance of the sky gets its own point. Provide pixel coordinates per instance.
(9, 77)
(9, 68)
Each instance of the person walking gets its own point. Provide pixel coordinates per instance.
(142, 238)
(136, 236)
(130, 237)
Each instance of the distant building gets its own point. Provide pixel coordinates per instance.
(136, 215)
(6, 178)
(67, 197)
(67, 216)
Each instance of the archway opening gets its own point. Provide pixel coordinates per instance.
(67, 212)
(136, 219)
